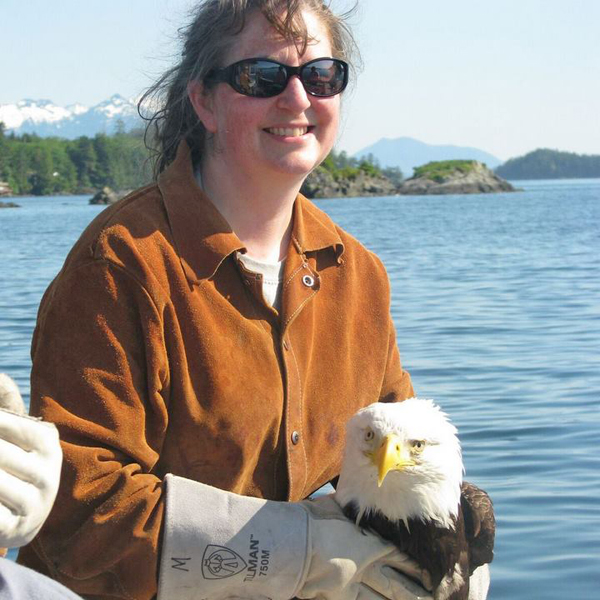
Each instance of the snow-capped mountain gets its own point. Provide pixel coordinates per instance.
(46, 119)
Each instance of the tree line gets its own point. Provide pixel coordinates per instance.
(49, 166)
(342, 166)
(550, 164)
(37, 166)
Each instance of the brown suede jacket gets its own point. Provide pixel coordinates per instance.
(155, 353)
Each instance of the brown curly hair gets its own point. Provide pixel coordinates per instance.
(206, 39)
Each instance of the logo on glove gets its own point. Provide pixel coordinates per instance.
(219, 562)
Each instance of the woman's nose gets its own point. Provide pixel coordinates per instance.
(294, 96)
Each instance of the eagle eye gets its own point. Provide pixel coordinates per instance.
(369, 435)
(418, 445)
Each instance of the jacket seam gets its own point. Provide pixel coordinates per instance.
(301, 414)
(288, 454)
(292, 275)
(298, 309)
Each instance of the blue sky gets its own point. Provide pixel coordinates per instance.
(506, 76)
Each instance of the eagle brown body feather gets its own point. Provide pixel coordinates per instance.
(480, 525)
(437, 549)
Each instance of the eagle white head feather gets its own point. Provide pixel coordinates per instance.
(404, 460)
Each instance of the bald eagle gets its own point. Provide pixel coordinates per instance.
(402, 478)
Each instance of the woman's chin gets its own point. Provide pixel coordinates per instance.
(296, 167)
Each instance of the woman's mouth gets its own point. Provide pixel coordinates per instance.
(289, 131)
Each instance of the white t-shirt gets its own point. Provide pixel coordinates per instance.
(272, 277)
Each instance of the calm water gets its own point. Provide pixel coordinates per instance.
(496, 299)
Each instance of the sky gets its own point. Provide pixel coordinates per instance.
(507, 76)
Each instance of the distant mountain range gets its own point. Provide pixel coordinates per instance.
(47, 119)
(408, 153)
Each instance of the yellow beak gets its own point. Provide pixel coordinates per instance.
(392, 455)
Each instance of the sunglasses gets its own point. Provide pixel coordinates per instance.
(264, 78)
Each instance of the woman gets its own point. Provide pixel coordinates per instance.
(209, 336)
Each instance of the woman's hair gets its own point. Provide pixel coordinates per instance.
(211, 32)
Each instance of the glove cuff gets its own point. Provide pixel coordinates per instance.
(217, 544)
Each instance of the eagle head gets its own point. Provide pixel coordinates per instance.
(403, 460)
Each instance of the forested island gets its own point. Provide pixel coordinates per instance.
(551, 164)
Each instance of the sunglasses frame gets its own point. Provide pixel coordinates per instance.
(228, 75)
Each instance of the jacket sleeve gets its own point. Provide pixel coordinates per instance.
(100, 373)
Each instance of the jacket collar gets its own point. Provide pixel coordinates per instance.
(313, 229)
(202, 236)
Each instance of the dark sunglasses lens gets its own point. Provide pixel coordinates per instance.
(324, 77)
(260, 78)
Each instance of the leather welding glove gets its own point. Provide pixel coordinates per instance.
(219, 545)
(30, 463)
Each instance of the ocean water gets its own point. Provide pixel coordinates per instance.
(496, 300)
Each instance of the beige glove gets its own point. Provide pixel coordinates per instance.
(347, 563)
(219, 545)
(30, 462)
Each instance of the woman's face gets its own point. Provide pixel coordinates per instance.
(288, 134)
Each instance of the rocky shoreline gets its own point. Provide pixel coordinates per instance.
(437, 178)
(463, 177)
(322, 184)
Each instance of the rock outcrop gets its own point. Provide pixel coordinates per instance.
(322, 184)
(105, 196)
(9, 205)
(454, 177)
(108, 196)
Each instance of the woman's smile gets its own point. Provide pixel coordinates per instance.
(294, 132)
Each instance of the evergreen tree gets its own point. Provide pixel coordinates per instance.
(40, 175)
(4, 169)
(83, 156)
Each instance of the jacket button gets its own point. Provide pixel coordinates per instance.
(308, 281)
(295, 437)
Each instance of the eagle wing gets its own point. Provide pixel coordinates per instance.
(480, 524)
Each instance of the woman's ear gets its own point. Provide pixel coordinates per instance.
(203, 105)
